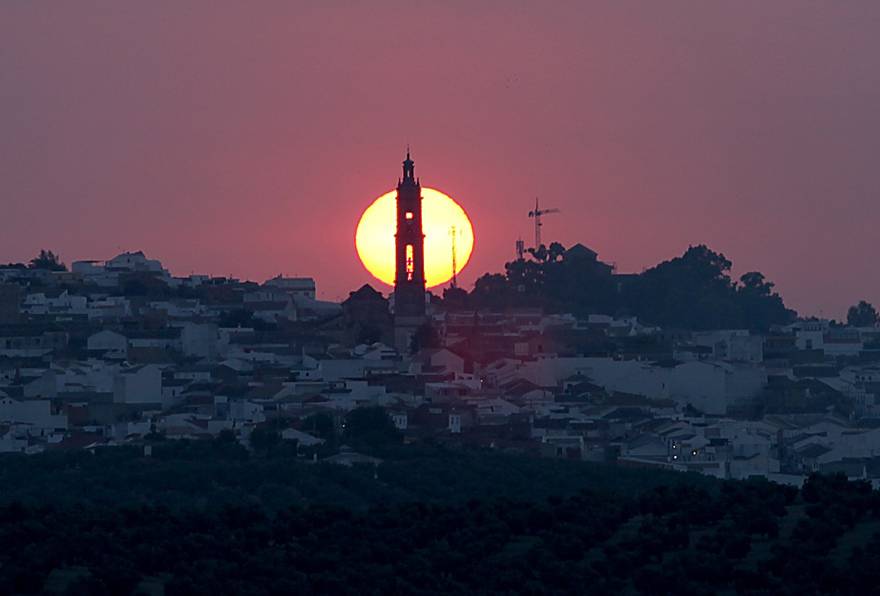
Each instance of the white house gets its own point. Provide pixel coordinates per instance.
(138, 385)
(111, 344)
(295, 286)
(36, 412)
(201, 340)
(712, 387)
(810, 335)
(304, 439)
(247, 411)
(63, 304)
(443, 359)
(110, 308)
(106, 273)
(736, 345)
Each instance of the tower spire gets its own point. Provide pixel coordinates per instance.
(408, 166)
(409, 241)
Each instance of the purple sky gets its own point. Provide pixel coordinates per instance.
(246, 138)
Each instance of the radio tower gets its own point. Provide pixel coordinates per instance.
(454, 264)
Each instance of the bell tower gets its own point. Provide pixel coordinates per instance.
(409, 244)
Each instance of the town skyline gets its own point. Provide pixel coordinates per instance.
(206, 141)
(382, 287)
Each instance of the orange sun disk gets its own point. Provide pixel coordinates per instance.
(374, 238)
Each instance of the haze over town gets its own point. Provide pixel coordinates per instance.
(621, 338)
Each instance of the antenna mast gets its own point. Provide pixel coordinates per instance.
(454, 264)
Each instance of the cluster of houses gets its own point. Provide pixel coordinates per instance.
(117, 352)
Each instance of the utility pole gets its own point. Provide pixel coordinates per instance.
(452, 232)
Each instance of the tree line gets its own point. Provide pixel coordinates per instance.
(693, 291)
(749, 537)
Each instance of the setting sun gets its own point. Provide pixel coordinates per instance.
(374, 238)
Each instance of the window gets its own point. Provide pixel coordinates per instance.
(409, 214)
(409, 262)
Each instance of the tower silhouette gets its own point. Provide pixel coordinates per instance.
(409, 243)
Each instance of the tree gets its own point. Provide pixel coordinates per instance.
(556, 251)
(240, 317)
(455, 298)
(862, 314)
(540, 254)
(760, 305)
(320, 425)
(526, 278)
(226, 437)
(48, 261)
(370, 426)
(491, 289)
(695, 291)
(369, 334)
(755, 283)
(138, 283)
(264, 440)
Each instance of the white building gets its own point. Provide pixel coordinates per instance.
(109, 308)
(736, 345)
(201, 340)
(109, 343)
(138, 385)
(295, 286)
(63, 304)
(35, 412)
(106, 273)
(711, 387)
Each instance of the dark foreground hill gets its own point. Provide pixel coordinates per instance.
(212, 474)
(203, 519)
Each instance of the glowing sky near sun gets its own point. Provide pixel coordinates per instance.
(374, 239)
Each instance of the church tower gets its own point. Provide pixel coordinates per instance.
(409, 244)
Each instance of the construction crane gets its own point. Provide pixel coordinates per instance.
(537, 214)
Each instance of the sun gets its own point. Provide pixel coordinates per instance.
(374, 238)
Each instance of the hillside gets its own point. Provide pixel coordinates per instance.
(210, 519)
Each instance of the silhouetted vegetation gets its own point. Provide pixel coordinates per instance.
(47, 260)
(370, 427)
(320, 425)
(207, 517)
(222, 471)
(265, 440)
(862, 314)
(693, 291)
(240, 317)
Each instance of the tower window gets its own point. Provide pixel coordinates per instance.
(409, 262)
(409, 214)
